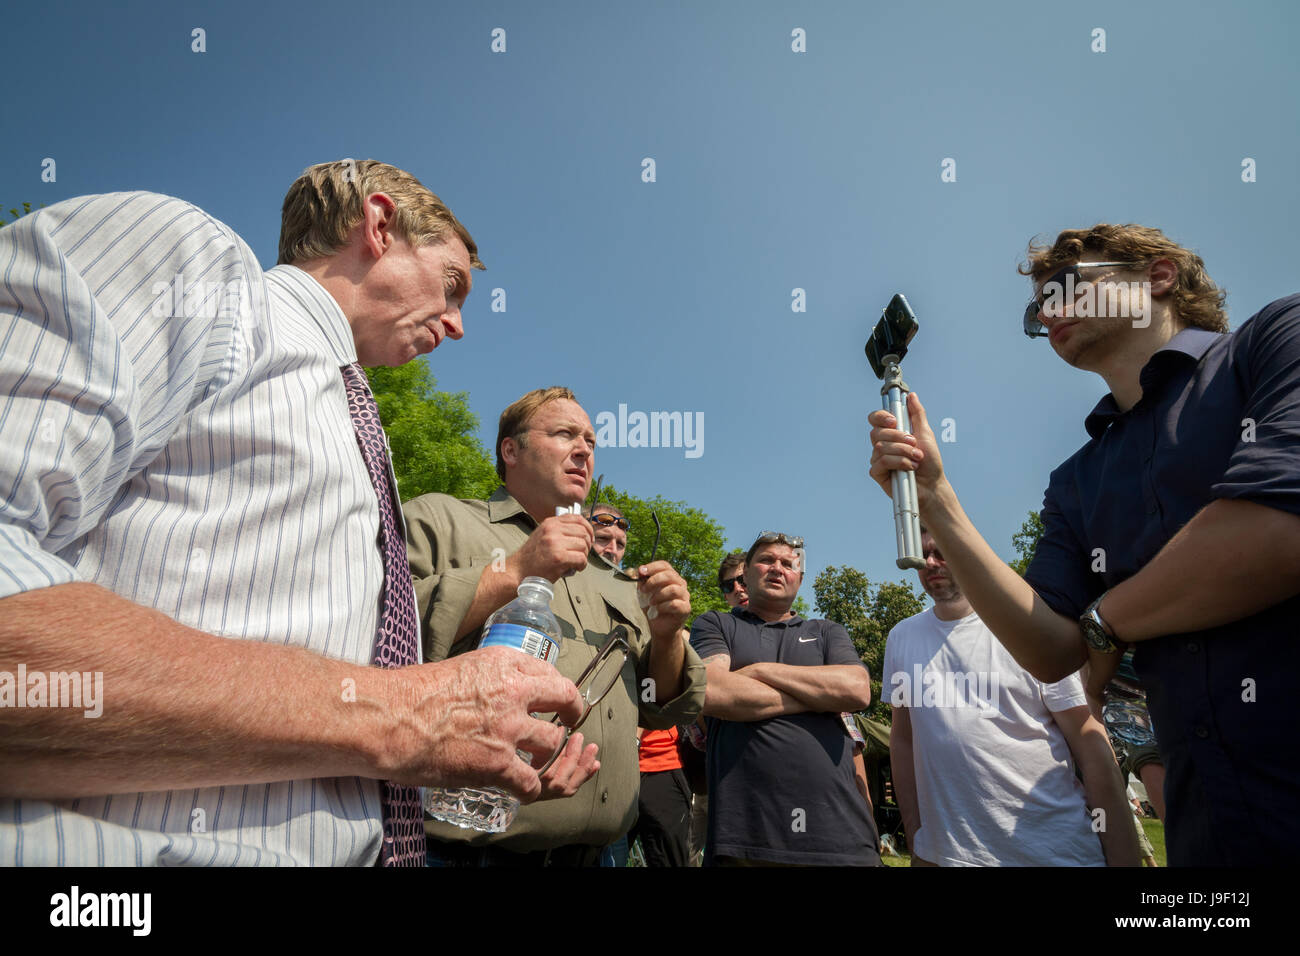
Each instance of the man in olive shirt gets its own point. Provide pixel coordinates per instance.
(468, 558)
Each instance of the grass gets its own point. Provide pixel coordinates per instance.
(1155, 831)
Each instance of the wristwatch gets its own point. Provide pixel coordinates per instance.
(1096, 632)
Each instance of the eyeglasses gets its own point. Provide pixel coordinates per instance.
(605, 519)
(769, 537)
(596, 680)
(729, 584)
(655, 550)
(1057, 284)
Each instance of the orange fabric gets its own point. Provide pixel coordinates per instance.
(659, 750)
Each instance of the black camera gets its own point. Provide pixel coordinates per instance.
(891, 334)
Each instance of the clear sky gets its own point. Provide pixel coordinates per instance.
(774, 170)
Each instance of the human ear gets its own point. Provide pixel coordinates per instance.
(1164, 276)
(379, 213)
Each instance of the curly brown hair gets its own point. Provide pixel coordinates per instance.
(1197, 300)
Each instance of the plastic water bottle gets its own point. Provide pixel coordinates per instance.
(527, 625)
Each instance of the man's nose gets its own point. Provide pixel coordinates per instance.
(451, 321)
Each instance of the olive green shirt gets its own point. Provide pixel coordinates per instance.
(450, 544)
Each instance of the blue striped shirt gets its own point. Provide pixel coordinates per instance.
(174, 427)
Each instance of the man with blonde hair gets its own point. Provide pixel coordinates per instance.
(197, 518)
(468, 559)
(1176, 528)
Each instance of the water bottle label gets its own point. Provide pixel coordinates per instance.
(532, 642)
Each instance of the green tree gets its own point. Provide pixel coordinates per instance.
(27, 207)
(433, 435)
(690, 541)
(868, 612)
(1025, 541)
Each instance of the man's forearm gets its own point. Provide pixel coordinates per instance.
(1103, 785)
(1103, 788)
(181, 708)
(903, 775)
(1048, 645)
(731, 696)
(496, 589)
(827, 688)
(1234, 559)
(667, 663)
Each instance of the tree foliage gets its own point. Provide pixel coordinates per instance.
(1025, 541)
(868, 612)
(433, 435)
(18, 214)
(690, 541)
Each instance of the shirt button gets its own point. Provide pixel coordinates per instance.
(604, 796)
(609, 714)
(577, 599)
(1193, 646)
(1202, 732)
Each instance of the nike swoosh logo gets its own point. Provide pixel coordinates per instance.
(805, 640)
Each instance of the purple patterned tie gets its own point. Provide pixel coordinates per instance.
(397, 643)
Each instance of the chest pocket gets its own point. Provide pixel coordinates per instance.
(622, 608)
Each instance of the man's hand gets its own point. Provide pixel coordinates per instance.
(465, 717)
(664, 595)
(557, 548)
(893, 449)
(570, 771)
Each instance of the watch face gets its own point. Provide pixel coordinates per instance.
(1095, 635)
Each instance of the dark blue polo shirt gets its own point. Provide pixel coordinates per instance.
(782, 790)
(1219, 417)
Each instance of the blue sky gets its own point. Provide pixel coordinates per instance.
(774, 170)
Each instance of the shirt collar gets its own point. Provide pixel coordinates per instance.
(307, 297)
(1189, 345)
(502, 506)
(744, 612)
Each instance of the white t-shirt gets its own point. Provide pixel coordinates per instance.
(995, 780)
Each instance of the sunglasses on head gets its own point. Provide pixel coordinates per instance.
(768, 537)
(1063, 279)
(729, 584)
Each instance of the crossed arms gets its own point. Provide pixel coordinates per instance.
(766, 689)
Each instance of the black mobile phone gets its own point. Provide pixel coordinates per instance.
(892, 333)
